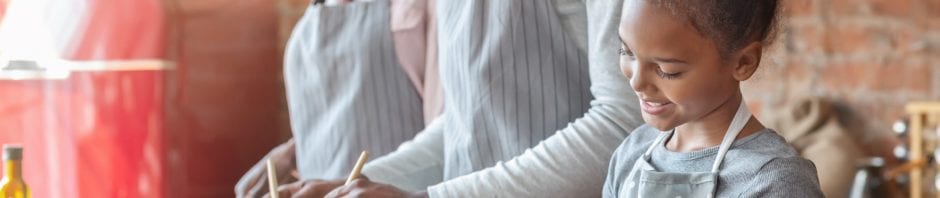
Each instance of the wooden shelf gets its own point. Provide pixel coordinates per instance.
(60, 69)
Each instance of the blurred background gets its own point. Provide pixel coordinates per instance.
(178, 98)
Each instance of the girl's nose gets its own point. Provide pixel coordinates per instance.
(638, 81)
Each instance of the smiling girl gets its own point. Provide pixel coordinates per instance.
(685, 61)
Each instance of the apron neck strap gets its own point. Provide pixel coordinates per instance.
(659, 141)
(737, 124)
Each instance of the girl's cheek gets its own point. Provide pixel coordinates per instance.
(625, 68)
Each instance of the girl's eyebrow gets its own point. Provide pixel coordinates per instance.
(656, 59)
(668, 60)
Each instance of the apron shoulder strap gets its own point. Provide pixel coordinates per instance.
(737, 124)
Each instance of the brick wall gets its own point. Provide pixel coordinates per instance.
(225, 100)
(869, 56)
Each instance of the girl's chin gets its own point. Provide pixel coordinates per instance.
(660, 124)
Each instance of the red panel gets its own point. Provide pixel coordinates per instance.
(122, 29)
(121, 153)
(185, 132)
(3, 8)
(93, 135)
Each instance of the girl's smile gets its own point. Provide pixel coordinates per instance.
(654, 107)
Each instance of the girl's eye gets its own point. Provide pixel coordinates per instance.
(624, 52)
(668, 76)
(626, 55)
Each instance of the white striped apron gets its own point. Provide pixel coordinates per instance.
(345, 88)
(511, 76)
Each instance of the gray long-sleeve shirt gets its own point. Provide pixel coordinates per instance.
(759, 165)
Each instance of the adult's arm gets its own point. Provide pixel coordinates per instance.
(416, 164)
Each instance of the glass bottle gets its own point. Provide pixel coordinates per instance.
(12, 185)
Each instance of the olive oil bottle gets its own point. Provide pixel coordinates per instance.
(12, 185)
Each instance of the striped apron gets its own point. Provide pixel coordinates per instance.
(511, 76)
(346, 91)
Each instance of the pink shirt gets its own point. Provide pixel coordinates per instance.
(413, 28)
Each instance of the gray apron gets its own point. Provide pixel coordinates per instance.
(511, 75)
(646, 182)
(346, 91)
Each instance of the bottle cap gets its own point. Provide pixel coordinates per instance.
(12, 152)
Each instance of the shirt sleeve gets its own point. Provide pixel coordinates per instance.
(571, 163)
(416, 164)
(785, 177)
(613, 182)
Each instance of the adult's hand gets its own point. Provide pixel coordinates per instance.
(307, 188)
(255, 182)
(363, 187)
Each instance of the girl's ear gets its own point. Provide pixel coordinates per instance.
(747, 61)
